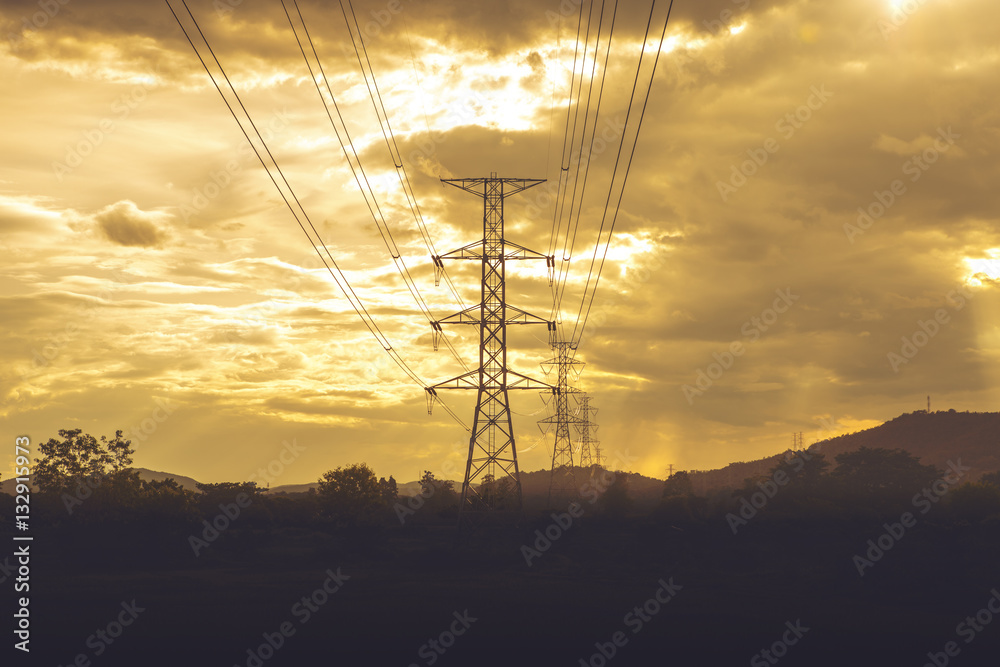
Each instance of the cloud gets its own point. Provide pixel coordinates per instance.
(123, 223)
(235, 302)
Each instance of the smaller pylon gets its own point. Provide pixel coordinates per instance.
(586, 427)
(562, 480)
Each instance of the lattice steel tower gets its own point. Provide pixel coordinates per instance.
(492, 452)
(562, 479)
(589, 447)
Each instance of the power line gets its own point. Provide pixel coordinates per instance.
(390, 142)
(335, 270)
(569, 243)
(366, 190)
(556, 219)
(589, 304)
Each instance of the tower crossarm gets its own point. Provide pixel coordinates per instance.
(478, 186)
(473, 315)
(520, 381)
(511, 251)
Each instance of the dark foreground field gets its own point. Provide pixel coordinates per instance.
(732, 596)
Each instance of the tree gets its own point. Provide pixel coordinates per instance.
(805, 469)
(224, 493)
(497, 494)
(678, 484)
(351, 495)
(615, 501)
(78, 457)
(83, 470)
(166, 501)
(388, 490)
(991, 478)
(883, 474)
(974, 501)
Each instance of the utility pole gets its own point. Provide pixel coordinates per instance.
(492, 460)
(562, 479)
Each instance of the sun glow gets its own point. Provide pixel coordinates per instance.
(983, 268)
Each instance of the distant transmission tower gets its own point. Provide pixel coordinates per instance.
(562, 480)
(797, 441)
(587, 429)
(492, 458)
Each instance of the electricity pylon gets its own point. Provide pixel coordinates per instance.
(562, 479)
(589, 447)
(492, 452)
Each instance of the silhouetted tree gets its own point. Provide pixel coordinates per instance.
(388, 490)
(805, 469)
(79, 456)
(974, 501)
(439, 494)
(166, 501)
(678, 484)
(882, 474)
(991, 478)
(500, 494)
(351, 495)
(84, 471)
(615, 501)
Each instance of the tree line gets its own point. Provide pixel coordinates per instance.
(84, 479)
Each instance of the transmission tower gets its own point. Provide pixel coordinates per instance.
(492, 458)
(562, 480)
(587, 429)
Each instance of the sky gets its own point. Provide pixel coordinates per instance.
(807, 240)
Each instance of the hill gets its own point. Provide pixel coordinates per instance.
(936, 438)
